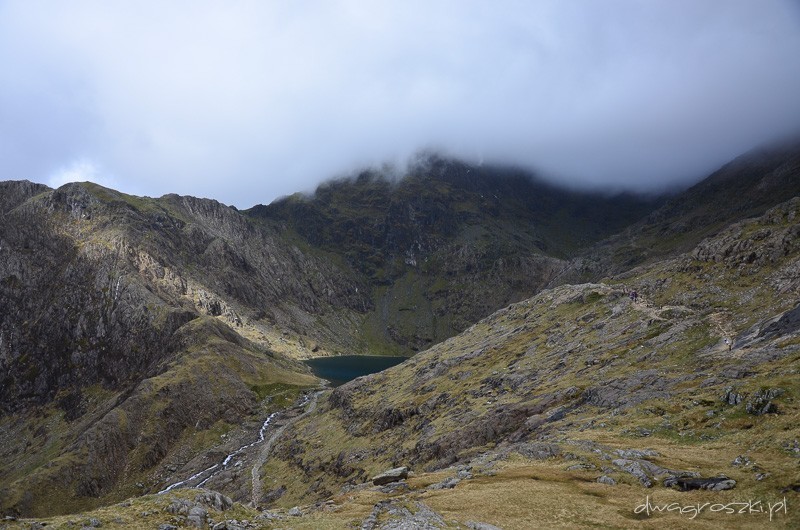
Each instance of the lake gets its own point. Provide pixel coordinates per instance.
(344, 368)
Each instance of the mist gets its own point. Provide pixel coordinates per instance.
(248, 101)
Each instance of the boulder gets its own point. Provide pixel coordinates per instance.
(215, 500)
(197, 516)
(391, 475)
(713, 484)
(605, 479)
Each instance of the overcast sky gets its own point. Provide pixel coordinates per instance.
(247, 101)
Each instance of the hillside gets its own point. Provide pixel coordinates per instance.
(745, 187)
(118, 361)
(583, 379)
(447, 243)
(150, 344)
(116, 311)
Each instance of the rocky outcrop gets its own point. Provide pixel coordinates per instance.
(697, 483)
(390, 475)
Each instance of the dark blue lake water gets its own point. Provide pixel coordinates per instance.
(339, 370)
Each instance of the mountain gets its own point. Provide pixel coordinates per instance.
(136, 331)
(448, 243)
(146, 341)
(580, 383)
(117, 358)
(746, 187)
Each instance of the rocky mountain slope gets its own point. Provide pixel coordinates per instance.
(118, 359)
(115, 310)
(746, 187)
(698, 378)
(448, 243)
(144, 342)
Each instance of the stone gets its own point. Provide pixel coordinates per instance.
(741, 460)
(636, 453)
(179, 507)
(295, 512)
(197, 516)
(267, 515)
(391, 475)
(634, 468)
(395, 487)
(215, 500)
(605, 479)
(761, 402)
(712, 484)
(167, 526)
(449, 483)
(731, 397)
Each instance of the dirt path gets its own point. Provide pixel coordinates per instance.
(263, 454)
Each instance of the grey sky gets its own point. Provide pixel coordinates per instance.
(246, 101)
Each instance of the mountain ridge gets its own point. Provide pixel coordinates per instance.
(136, 333)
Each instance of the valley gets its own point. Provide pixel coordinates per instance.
(151, 353)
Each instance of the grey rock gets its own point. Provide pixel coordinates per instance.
(372, 519)
(391, 475)
(267, 515)
(761, 402)
(741, 460)
(449, 483)
(167, 526)
(539, 451)
(732, 398)
(295, 512)
(179, 507)
(215, 500)
(394, 487)
(605, 479)
(634, 467)
(423, 518)
(719, 483)
(197, 516)
(636, 453)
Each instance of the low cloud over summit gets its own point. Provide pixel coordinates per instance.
(248, 101)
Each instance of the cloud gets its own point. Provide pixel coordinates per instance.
(246, 101)
(81, 170)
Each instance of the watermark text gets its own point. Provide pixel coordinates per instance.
(749, 507)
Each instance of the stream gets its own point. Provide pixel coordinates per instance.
(221, 466)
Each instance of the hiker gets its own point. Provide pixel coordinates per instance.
(634, 296)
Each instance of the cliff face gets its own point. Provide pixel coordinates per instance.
(448, 243)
